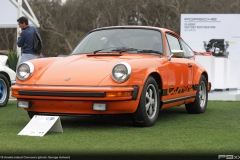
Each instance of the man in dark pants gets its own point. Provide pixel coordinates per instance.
(26, 39)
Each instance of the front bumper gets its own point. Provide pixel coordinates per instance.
(77, 100)
(81, 107)
(75, 92)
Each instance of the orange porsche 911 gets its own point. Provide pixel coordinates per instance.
(135, 70)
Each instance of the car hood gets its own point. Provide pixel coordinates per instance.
(81, 69)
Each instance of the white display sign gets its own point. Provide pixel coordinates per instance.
(196, 28)
(40, 125)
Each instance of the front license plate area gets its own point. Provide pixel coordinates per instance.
(99, 106)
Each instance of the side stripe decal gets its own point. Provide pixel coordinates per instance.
(177, 90)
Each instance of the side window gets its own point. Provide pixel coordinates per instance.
(173, 42)
(187, 50)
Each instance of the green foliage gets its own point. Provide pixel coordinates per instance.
(12, 59)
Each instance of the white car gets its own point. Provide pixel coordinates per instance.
(7, 78)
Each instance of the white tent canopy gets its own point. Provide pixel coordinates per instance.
(10, 10)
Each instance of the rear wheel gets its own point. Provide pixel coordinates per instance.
(4, 91)
(148, 108)
(200, 103)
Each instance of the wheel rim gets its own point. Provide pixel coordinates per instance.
(151, 101)
(202, 94)
(3, 90)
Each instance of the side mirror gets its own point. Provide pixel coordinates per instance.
(176, 53)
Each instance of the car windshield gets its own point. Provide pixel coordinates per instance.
(130, 40)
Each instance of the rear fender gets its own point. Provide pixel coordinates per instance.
(198, 75)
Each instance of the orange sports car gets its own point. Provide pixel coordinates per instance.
(134, 70)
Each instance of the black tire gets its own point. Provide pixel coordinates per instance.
(4, 91)
(148, 108)
(200, 103)
(31, 114)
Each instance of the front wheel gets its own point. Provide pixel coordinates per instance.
(4, 91)
(148, 108)
(200, 103)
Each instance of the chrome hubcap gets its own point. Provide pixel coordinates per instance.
(151, 101)
(202, 94)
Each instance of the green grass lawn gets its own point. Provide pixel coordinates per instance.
(215, 132)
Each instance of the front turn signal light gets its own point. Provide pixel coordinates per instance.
(118, 94)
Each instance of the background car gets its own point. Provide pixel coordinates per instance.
(145, 69)
(7, 78)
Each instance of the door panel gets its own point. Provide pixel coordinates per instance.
(179, 80)
(179, 72)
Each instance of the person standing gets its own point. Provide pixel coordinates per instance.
(26, 39)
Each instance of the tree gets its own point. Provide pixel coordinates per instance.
(62, 26)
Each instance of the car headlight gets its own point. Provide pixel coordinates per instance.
(25, 70)
(121, 72)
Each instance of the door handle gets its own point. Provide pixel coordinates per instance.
(189, 65)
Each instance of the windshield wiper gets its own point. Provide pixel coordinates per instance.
(123, 49)
(149, 51)
(102, 49)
